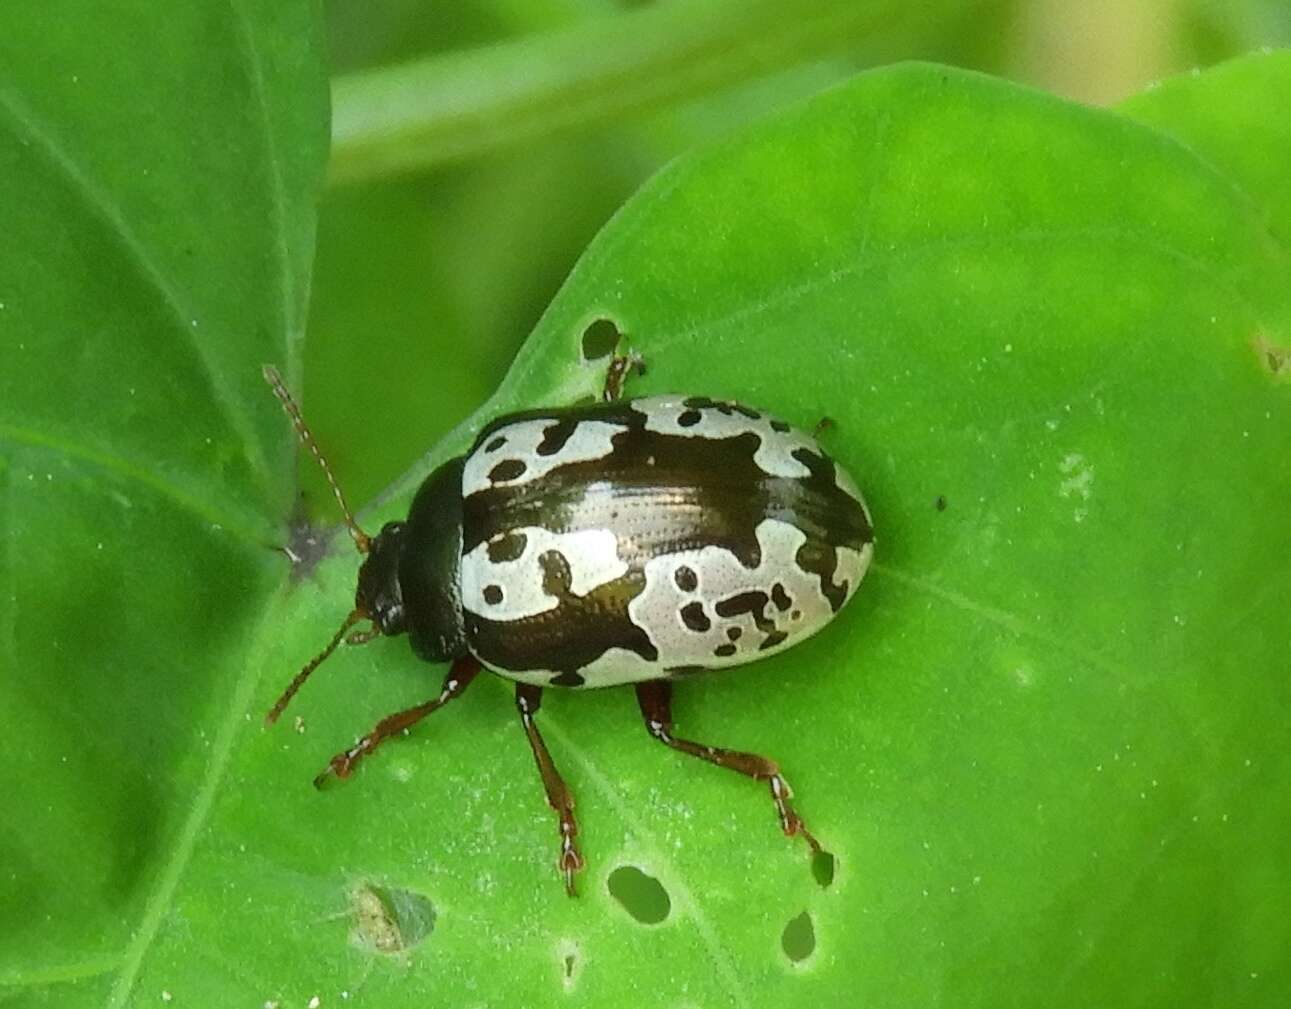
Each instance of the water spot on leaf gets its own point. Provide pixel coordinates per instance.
(823, 864)
(641, 895)
(799, 938)
(387, 920)
(600, 339)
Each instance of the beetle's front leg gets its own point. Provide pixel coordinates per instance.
(616, 375)
(459, 677)
(559, 797)
(655, 699)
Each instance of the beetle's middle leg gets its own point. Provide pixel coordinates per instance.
(460, 675)
(559, 797)
(655, 699)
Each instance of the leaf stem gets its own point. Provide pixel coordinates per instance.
(463, 104)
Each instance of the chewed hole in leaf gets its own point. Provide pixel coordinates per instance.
(600, 339)
(798, 940)
(570, 958)
(823, 865)
(387, 920)
(641, 895)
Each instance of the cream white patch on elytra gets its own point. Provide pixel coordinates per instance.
(512, 589)
(852, 565)
(518, 443)
(775, 452)
(727, 640)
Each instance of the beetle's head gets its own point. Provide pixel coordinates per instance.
(379, 597)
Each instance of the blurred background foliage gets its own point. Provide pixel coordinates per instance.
(480, 144)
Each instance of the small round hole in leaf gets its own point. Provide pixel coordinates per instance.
(799, 938)
(642, 896)
(600, 339)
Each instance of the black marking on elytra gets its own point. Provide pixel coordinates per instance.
(778, 596)
(492, 594)
(779, 426)
(822, 561)
(724, 651)
(556, 576)
(568, 678)
(755, 604)
(699, 492)
(495, 444)
(772, 639)
(686, 578)
(722, 406)
(689, 418)
(577, 632)
(555, 436)
(685, 670)
(734, 633)
(694, 617)
(507, 469)
(507, 547)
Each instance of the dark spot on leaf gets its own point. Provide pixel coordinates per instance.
(940, 503)
(1275, 358)
(642, 896)
(686, 579)
(508, 469)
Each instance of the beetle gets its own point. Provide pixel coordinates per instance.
(632, 541)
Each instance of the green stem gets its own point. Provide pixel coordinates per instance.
(460, 105)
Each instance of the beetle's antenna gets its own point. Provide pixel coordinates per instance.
(361, 539)
(300, 678)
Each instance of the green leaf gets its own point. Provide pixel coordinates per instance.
(1043, 743)
(157, 214)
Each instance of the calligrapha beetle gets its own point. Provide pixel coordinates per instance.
(633, 541)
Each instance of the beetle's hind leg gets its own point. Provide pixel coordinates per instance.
(655, 699)
(559, 797)
(616, 374)
(459, 677)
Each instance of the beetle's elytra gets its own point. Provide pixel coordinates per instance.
(632, 541)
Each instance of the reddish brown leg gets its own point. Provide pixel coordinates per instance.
(655, 698)
(459, 677)
(621, 366)
(528, 700)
